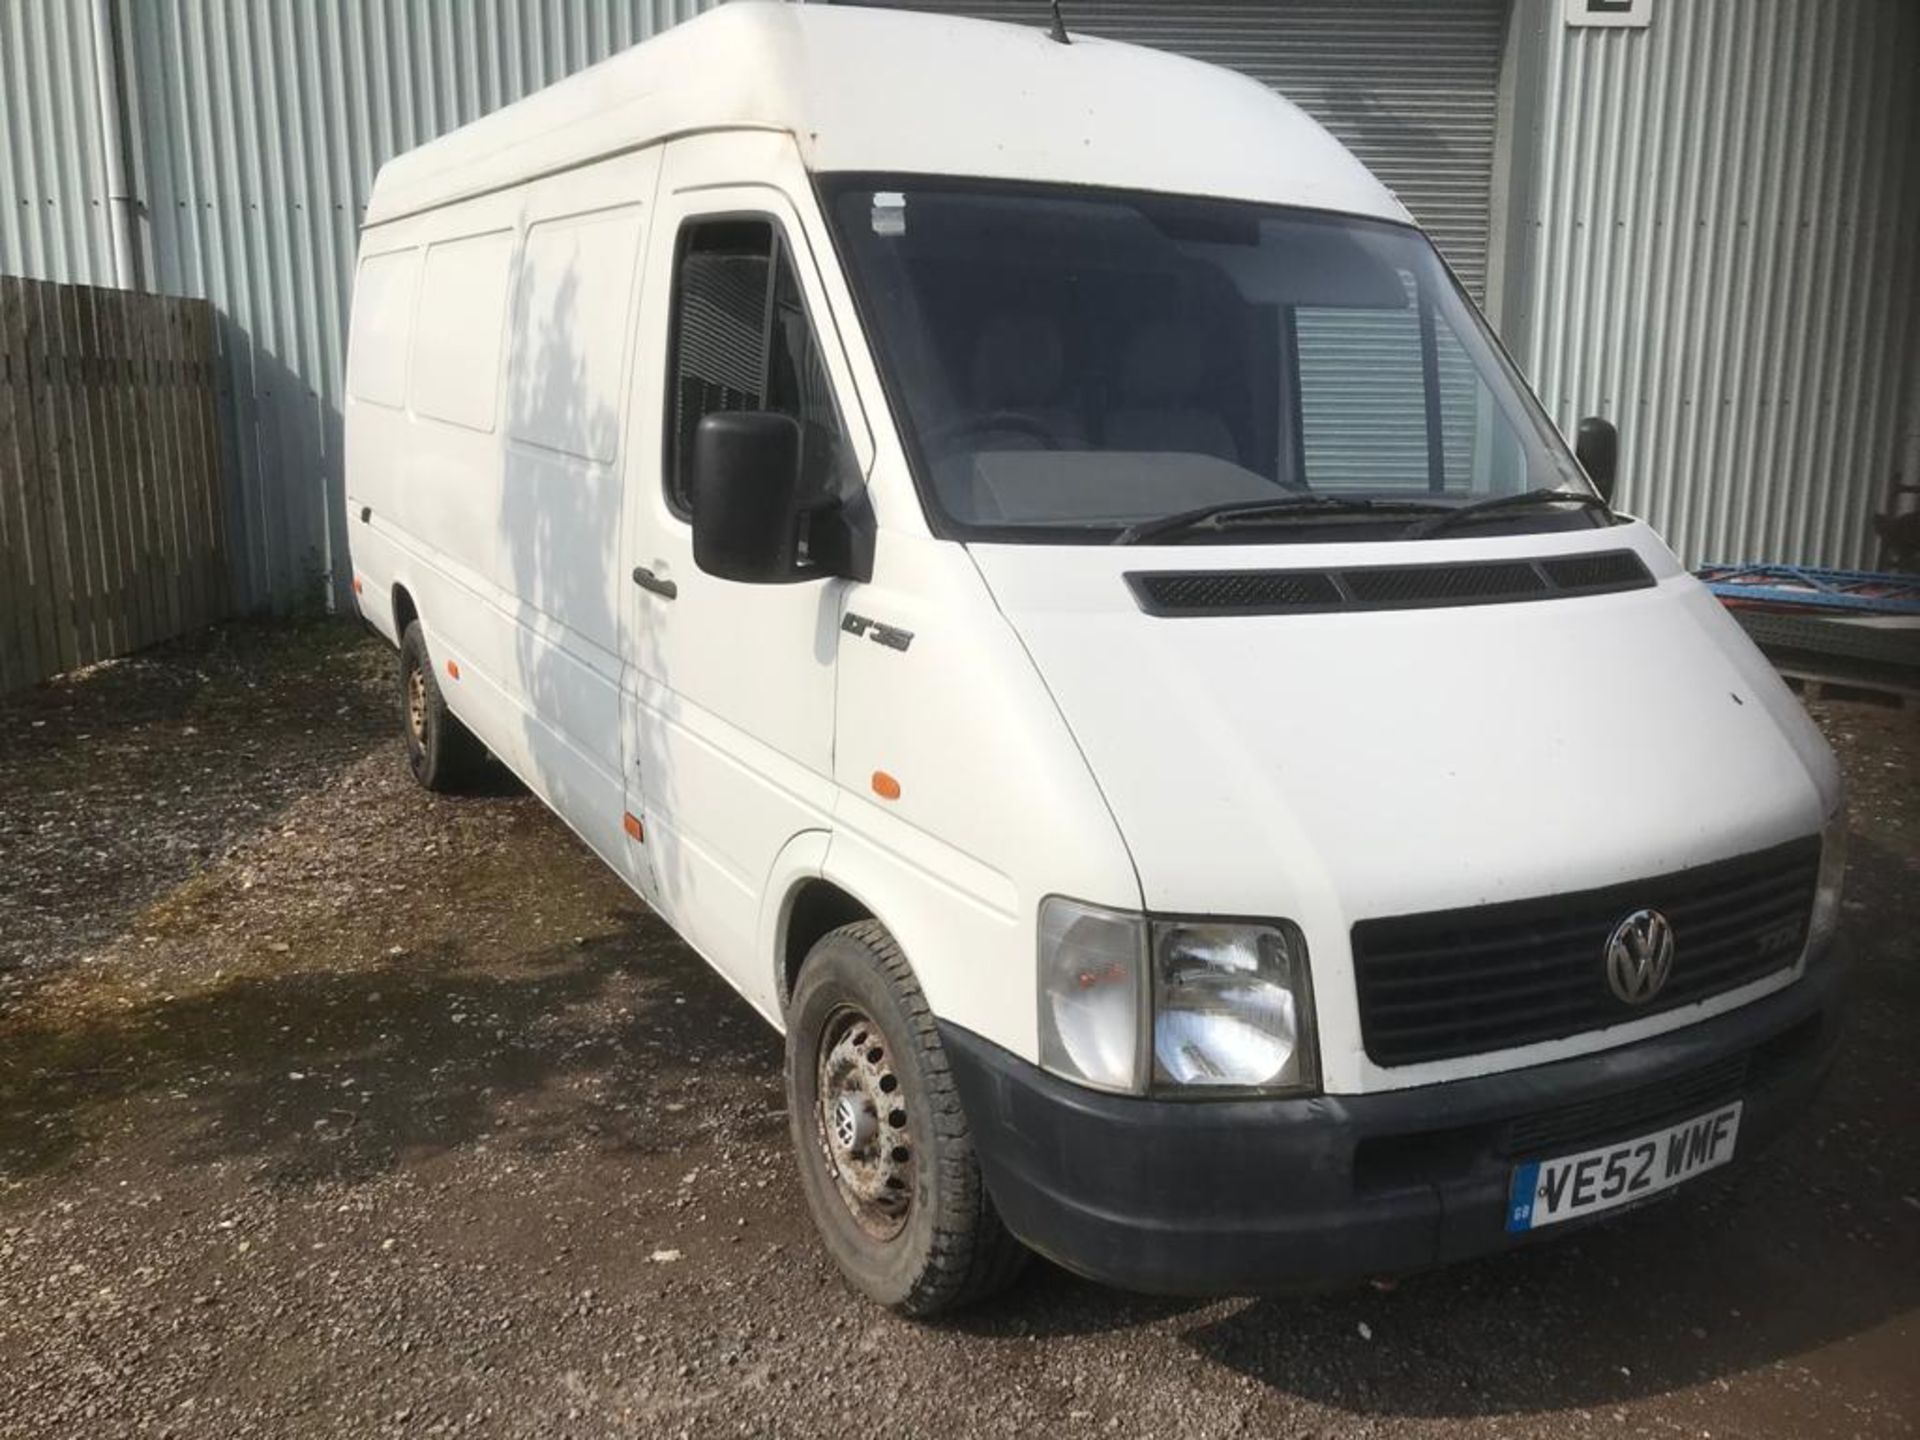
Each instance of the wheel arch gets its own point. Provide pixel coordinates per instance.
(405, 611)
(970, 955)
(813, 890)
(812, 909)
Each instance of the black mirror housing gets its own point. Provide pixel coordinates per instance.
(746, 496)
(756, 520)
(1596, 445)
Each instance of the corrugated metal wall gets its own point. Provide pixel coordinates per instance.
(1713, 244)
(1409, 86)
(53, 215)
(257, 127)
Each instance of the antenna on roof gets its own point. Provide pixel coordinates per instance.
(1059, 33)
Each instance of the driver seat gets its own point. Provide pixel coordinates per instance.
(1019, 363)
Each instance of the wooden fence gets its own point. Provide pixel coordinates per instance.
(112, 531)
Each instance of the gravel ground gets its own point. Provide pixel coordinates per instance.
(331, 1108)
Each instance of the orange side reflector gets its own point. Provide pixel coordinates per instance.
(356, 584)
(885, 786)
(634, 829)
(453, 669)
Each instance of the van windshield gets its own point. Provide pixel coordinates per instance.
(1075, 364)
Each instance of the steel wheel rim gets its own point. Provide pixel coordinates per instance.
(861, 1121)
(417, 704)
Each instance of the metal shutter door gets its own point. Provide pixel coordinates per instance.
(1408, 85)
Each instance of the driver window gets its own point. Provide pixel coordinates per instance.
(741, 340)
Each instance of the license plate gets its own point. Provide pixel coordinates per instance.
(1545, 1192)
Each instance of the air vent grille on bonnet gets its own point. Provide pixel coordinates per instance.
(1385, 587)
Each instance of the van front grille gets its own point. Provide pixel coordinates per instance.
(1463, 982)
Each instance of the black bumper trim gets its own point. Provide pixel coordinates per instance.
(1250, 1196)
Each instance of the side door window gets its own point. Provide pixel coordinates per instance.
(741, 340)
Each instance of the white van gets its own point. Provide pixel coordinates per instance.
(1022, 553)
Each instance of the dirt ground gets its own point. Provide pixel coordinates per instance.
(330, 1108)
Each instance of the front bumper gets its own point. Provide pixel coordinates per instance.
(1243, 1197)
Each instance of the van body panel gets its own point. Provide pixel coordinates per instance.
(494, 490)
(862, 89)
(723, 778)
(962, 719)
(1333, 768)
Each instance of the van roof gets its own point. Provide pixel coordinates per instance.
(895, 92)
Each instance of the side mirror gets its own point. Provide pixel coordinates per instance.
(746, 496)
(1596, 445)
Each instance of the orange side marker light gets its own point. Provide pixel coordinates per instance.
(356, 584)
(453, 669)
(885, 786)
(635, 831)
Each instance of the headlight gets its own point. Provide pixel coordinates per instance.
(1826, 891)
(1092, 1001)
(1229, 1008)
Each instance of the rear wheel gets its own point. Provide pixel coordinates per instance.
(441, 752)
(886, 1159)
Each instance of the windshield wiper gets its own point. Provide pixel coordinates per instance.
(1526, 499)
(1234, 512)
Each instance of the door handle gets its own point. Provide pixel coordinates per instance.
(647, 580)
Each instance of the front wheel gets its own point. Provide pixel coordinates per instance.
(886, 1159)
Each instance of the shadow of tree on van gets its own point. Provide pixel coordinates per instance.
(563, 536)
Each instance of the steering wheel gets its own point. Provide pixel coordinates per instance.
(996, 420)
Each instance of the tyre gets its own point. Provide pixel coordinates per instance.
(886, 1159)
(441, 752)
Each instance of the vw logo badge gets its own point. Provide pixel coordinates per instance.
(1640, 956)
